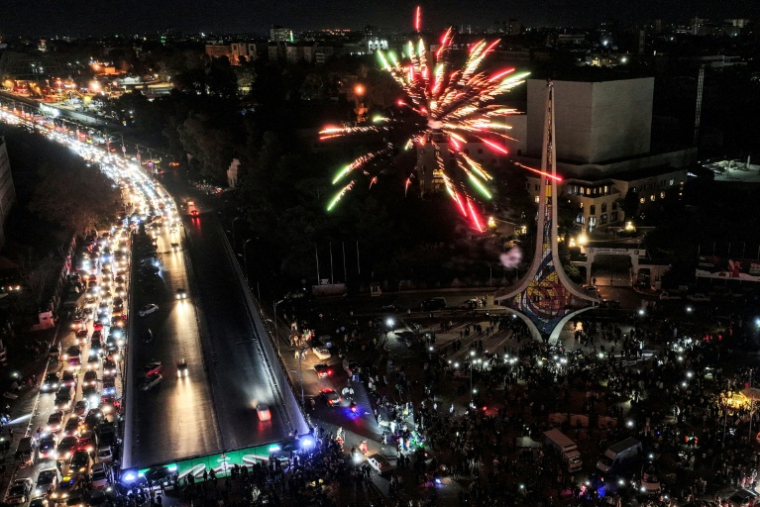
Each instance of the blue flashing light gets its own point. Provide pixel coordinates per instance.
(129, 477)
(307, 443)
(274, 448)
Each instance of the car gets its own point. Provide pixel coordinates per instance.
(148, 309)
(66, 448)
(322, 353)
(40, 502)
(195, 213)
(68, 379)
(106, 433)
(389, 309)
(181, 293)
(471, 304)
(591, 290)
(63, 399)
(664, 296)
(331, 397)
(72, 427)
(175, 247)
(436, 303)
(182, 368)
(47, 446)
(105, 454)
(90, 393)
(54, 422)
(698, 297)
(19, 491)
(93, 418)
(86, 442)
(68, 487)
(118, 321)
(93, 360)
(47, 480)
(80, 462)
(650, 479)
(610, 304)
(154, 367)
(72, 352)
(50, 383)
(109, 367)
(90, 378)
(82, 335)
(263, 412)
(78, 324)
(97, 325)
(98, 476)
(150, 381)
(742, 498)
(323, 371)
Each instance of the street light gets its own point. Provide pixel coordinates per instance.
(472, 365)
(274, 319)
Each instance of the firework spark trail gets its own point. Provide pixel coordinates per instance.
(340, 195)
(448, 108)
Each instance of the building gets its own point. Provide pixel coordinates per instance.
(512, 27)
(237, 52)
(588, 116)
(604, 132)
(280, 34)
(7, 189)
(427, 156)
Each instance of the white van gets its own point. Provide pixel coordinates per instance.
(566, 447)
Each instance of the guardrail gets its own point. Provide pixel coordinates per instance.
(267, 344)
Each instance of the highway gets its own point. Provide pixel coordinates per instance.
(176, 419)
(244, 371)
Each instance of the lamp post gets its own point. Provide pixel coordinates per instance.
(300, 377)
(472, 365)
(274, 319)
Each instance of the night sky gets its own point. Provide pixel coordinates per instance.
(50, 17)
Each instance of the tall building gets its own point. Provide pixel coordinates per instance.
(596, 121)
(7, 190)
(280, 34)
(604, 132)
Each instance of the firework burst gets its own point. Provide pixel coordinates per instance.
(450, 108)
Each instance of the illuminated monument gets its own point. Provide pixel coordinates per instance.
(545, 298)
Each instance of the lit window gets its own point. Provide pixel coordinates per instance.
(652, 197)
(672, 182)
(662, 195)
(642, 200)
(536, 199)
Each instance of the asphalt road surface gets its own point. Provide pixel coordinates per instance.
(241, 377)
(175, 419)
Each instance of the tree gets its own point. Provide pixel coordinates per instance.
(630, 204)
(74, 196)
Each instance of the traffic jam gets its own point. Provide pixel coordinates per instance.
(69, 452)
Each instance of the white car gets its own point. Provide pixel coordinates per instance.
(323, 353)
(148, 309)
(667, 296)
(105, 455)
(98, 476)
(698, 297)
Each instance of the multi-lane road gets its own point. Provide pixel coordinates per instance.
(232, 366)
(177, 418)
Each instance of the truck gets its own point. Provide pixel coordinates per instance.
(566, 448)
(621, 456)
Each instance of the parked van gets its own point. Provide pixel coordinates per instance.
(25, 451)
(436, 303)
(566, 448)
(620, 455)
